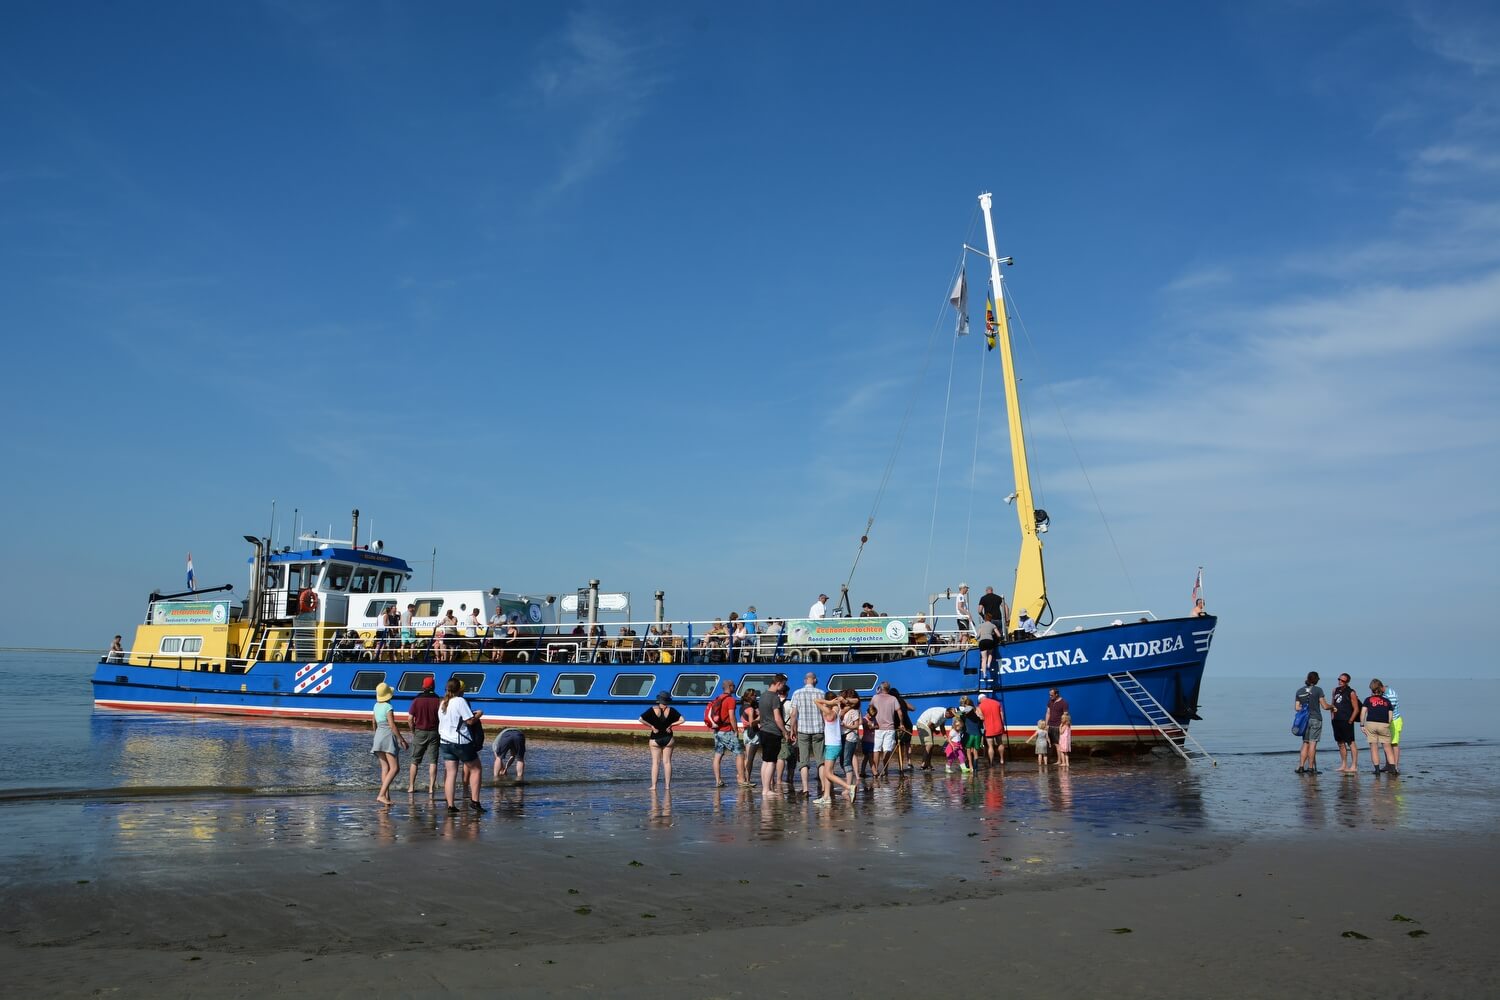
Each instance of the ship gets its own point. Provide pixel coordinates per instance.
(315, 635)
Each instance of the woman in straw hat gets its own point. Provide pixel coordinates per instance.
(386, 738)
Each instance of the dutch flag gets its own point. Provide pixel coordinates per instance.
(191, 585)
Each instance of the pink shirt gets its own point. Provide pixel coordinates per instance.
(886, 707)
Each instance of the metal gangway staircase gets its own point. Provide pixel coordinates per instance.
(1174, 732)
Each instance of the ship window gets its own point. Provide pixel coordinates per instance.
(761, 682)
(364, 581)
(518, 684)
(275, 577)
(304, 575)
(695, 685)
(858, 682)
(411, 681)
(471, 682)
(390, 583)
(367, 680)
(192, 644)
(573, 685)
(377, 608)
(337, 577)
(171, 644)
(428, 607)
(632, 686)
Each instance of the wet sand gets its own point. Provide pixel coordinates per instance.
(671, 902)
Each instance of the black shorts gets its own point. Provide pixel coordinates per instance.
(1343, 732)
(511, 742)
(986, 644)
(770, 745)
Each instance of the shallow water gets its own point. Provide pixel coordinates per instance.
(138, 790)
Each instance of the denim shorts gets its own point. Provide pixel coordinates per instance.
(726, 743)
(463, 753)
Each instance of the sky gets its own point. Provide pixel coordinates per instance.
(656, 293)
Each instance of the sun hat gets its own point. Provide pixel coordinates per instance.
(664, 698)
(383, 692)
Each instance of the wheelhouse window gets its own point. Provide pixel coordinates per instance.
(363, 581)
(390, 583)
(573, 685)
(411, 681)
(632, 686)
(275, 577)
(695, 685)
(367, 680)
(471, 682)
(518, 683)
(337, 576)
(857, 682)
(377, 608)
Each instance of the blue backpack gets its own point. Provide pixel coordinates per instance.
(1299, 721)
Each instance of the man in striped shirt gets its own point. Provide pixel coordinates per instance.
(807, 722)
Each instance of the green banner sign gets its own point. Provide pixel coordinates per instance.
(845, 631)
(190, 613)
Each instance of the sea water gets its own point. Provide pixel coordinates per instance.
(138, 787)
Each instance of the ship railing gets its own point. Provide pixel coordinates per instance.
(1099, 619)
(678, 641)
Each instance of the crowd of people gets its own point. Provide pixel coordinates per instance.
(1378, 714)
(815, 742)
(444, 731)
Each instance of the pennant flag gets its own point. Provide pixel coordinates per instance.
(960, 301)
(990, 326)
(1198, 585)
(191, 584)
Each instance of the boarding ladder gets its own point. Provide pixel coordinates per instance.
(1174, 732)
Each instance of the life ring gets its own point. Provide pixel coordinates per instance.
(307, 602)
(812, 656)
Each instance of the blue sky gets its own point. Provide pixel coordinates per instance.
(642, 292)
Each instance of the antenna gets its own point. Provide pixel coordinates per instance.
(272, 535)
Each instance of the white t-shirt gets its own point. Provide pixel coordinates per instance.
(933, 717)
(961, 604)
(456, 714)
(818, 610)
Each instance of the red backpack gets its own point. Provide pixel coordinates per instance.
(711, 712)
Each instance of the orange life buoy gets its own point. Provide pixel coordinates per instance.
(307, 602)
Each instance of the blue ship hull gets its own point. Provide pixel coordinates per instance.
(1167, 657)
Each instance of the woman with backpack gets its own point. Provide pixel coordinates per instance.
(1310, 698)
(460, 735)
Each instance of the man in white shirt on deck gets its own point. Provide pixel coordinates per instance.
(961, 608)
(819, 608)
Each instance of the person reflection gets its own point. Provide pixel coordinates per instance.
(660, 813)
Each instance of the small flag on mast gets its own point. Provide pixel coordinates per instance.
(1198, 586)
(959, 299)
(190, 584)
(990, 326)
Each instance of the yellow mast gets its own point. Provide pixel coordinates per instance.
(1030, 592)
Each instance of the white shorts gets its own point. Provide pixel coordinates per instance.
(885, 740)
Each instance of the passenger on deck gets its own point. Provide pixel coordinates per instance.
(495, 638)
(473, 627)
(919, 629)
(993, 605)
(383, 632)
(961, 610)
(407, 635)
(1199, 611)
(1024, 624)
(116, 652)
(867, 610)
(819, 607)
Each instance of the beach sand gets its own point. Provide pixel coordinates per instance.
(1198, 918)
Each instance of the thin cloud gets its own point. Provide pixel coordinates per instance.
(605, 78)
